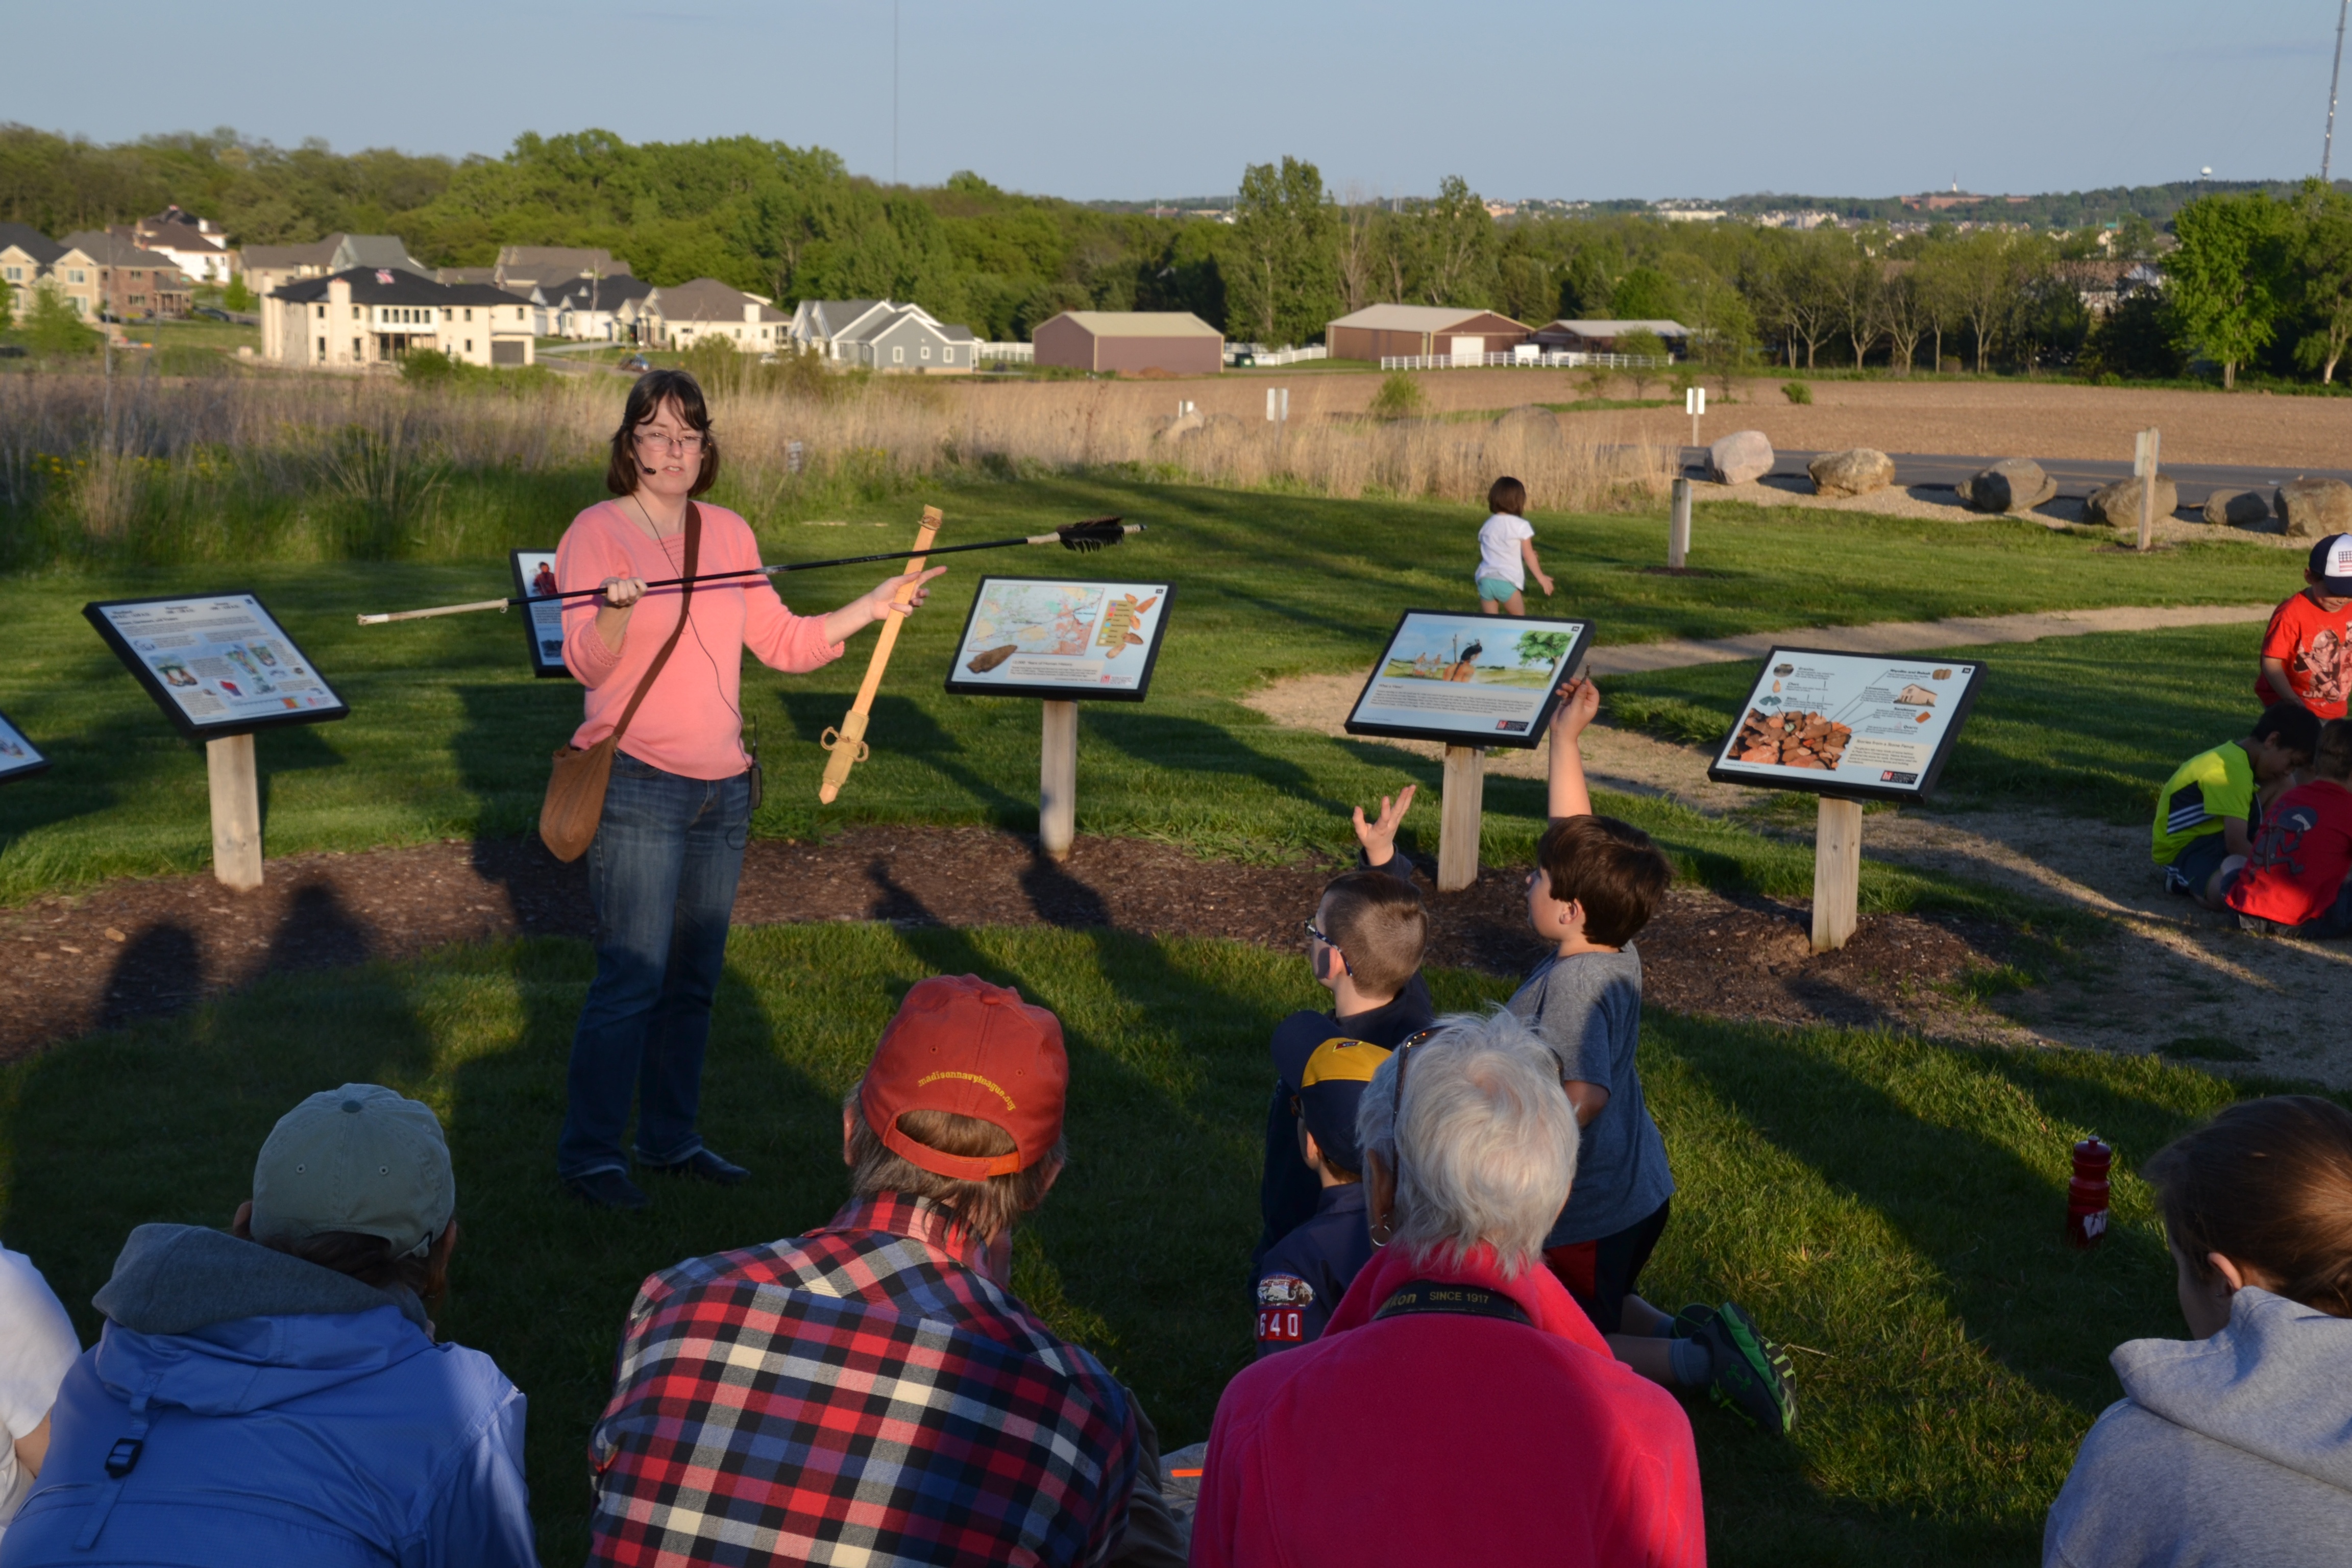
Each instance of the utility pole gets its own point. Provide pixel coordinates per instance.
(2328, 148)
(894, 92)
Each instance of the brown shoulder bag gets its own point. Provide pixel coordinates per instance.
(575, 789)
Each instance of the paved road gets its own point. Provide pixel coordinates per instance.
(2076, 478)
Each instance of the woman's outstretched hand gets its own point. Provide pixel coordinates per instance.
(884, 598)
(620, 593)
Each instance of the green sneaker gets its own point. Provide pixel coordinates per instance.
(1752, 1374)
(1692, 1320)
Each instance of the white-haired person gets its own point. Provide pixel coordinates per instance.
(1487, 1418)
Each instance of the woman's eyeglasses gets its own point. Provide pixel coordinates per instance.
(689, 442)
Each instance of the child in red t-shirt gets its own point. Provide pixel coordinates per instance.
(2295, 880)
(2305, 656)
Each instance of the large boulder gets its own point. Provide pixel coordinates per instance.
(2118, 505)
(2313, 509)
(2013, 484)
(1851, 473)
(2237, 509)
(1536, 429)
(1739, 458)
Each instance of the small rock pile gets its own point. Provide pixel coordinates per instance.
(1791, 740)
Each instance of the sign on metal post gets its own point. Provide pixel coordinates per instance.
(1694, 405)
(1679, 528)
(1277, 405)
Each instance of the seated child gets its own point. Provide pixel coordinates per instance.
(2304, 655)
(1365, 942)
(1507, 551)
(2207, 811)
(1302, 1277)
(2295, 881)
(1596, 883)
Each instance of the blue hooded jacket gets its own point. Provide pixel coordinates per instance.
(244, 1409)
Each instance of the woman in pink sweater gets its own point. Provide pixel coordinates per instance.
(662, 869)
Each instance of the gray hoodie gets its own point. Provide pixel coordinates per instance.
(2236, 1449)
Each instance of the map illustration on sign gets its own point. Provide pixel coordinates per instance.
(1850, 724)
(534, 577)
(1469, 680)
(1046, 638)
(19, 756)
(216, 665)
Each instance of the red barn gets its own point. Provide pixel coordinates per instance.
(1174, 341)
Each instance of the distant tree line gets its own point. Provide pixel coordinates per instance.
(2253, 278)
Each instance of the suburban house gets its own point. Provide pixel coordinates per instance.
(1440, 332)
(908, 339)
(1602, 337)
(130, 282)
(554, 264)
(820, 324)
(195, 244)
(26, 257)
(689, 313)
(365, 316)
(1174, 341)
(267, 266)
(605, 309)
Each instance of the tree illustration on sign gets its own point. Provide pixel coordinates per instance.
(1542, 647)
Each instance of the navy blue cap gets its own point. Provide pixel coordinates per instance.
(2331, 563)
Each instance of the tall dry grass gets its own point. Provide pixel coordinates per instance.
(295, 466)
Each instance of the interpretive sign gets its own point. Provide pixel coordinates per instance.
(534, 577)
(1469, 681)
(216, 664)
(1043, 637)
(1865, 725)
(19, 758)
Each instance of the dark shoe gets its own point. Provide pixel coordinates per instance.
(705, 1167)
(1751, 1373)
(606, 1190)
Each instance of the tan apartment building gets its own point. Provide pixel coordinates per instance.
(26, 257)
(132, 283)
(371, 316)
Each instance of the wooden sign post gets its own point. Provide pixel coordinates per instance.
(2144, 467)
(1461, 815)
(1837, 873)
(237, 812)
(1057, 780)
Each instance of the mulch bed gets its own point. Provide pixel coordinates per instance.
(138, 947)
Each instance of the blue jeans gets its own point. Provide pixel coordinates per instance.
(661, 878)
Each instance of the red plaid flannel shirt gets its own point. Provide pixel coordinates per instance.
(859, 1394)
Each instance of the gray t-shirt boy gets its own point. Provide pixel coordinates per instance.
(1588, 1009)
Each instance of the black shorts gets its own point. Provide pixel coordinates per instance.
(2195, 865)
(1601, 1274)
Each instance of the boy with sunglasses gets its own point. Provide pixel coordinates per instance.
(1596, 883)
(1365, 942)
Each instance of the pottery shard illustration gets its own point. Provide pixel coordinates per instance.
(982, 663)
(1915, 696)
(1118, 623)
(1790, 740)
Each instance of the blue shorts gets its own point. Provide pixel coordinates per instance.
(1495, 590)
(2195, 865)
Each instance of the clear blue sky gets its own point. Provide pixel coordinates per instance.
(1105, 99)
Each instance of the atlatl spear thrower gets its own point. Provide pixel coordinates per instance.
(1094, 534)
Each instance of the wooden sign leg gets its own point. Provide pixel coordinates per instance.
(1460, 812)
(1837, 873)
(1057, 780)
(237, 812)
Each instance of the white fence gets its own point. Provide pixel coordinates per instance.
(1549, 359)
(1015, 353)
(1237, 353)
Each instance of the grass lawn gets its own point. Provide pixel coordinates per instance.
(449, 736)
(2090, 725)
(1893, 1207)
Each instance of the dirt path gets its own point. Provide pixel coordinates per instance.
(2161, 975)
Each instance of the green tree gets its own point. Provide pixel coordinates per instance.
(1454, 247)
(8, 303)
(1645, 294)
(1542, 647)
(2322, 259)
(52, 326)
(236, 295)
(1279, 277)
(2226, 279)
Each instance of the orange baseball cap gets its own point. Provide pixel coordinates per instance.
(961, 1045)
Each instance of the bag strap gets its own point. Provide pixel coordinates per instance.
(1468, 1301)
(685, 604)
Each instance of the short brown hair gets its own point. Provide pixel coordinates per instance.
(1506, 494)
(1609, 866)
(2334, 755)
(653, 389)
(1379, 925)
(2266, 1184)
(987, 1208)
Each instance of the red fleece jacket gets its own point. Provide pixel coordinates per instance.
(1439, 1438)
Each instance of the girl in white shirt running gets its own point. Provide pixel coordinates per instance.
(1507, 551)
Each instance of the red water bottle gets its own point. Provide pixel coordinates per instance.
(2087, 1195)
